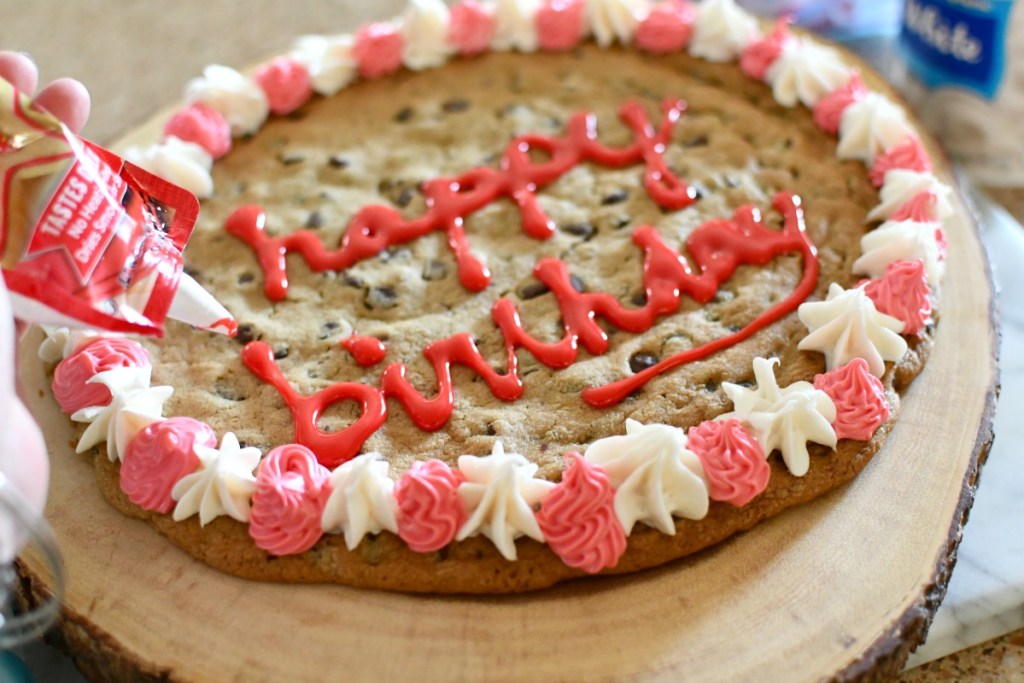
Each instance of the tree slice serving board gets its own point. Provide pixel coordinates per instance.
(841, 588)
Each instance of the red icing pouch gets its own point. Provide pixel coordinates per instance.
(86, 238)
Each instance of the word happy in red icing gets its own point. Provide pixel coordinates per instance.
(717, 248)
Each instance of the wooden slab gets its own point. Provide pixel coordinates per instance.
(842, 588)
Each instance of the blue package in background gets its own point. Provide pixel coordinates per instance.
(957, 43)
(837, 19)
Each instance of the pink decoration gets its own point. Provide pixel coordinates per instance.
(203, 126)
(285, 83)
(909, 155)
(559, 24)
(470, 28)
(828, 112)
(378, 50)
(291, 490)
(430, 511)
(859, 397)
(923, 208)
(734, 462)
(158, 457)
(578, 519)
(71, 385)
(902, 292)
(757, 58)
(667, 27)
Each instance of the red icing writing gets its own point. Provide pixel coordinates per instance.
(716, 248)
(368, 351)
(451, 200)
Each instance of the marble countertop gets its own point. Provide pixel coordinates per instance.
(100, 43)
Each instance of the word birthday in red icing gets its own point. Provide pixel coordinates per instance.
(717, 247)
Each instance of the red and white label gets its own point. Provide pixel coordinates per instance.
(82, 216)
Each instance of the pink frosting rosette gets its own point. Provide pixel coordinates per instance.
(909, 155)
(578, 518)
(158, 457)
(734, 462)
(71, 385)
(291, 490)
(430, 511)
(668, 27)
(201, 125)
(902, 292)
(923, 208)
(757, 58)
(378, 50)
(286, 84)
(470, 28)
(828, 112)
(559, 24)
(859, 398)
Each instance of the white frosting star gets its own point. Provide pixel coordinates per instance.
(901, 185)
(425, 34)
(805, 72)
(847, 325)
(514, 26)
(721, 30)
(328, 60)
(238, 99)
(655, 475)
(361, 500)
(784, 419)
(223, 484)
(500, 494)
(870, 126)
(134, 405)
(900, 241)
(183, 163)
(61, 342)
(611, 20)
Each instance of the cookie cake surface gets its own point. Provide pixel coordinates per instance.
(521, 312)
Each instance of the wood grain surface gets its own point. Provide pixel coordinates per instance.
(842, 588)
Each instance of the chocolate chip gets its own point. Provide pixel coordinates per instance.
(577, 283)
(290, 159)
(435, 270)
(641, 361)
(455, 105)
(337, 161)
(491, 431)
(699, 141)
(405, 197)
(616, 197)
(281, 352)
(639, 299)
(247, 333)
(620, 222)
(381, 298)
(314, 220)
(246, 278)
(404, 114)
(227, 392)
(352, 281)
(532, 290)
(327, 328)
(584, 230)
(711, 386)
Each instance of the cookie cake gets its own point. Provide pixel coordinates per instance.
(526, 291)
